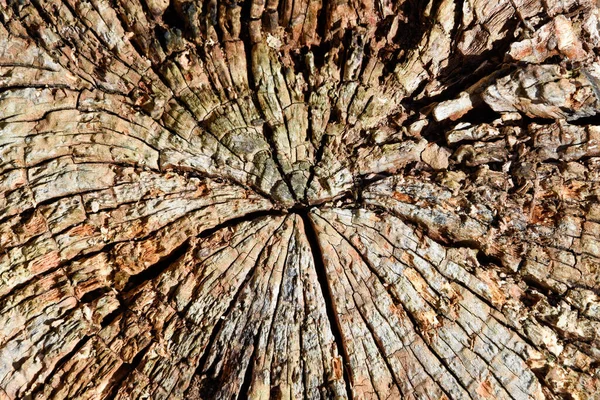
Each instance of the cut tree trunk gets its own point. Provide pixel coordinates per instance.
(221, 199)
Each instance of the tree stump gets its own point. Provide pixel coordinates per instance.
(221, 199)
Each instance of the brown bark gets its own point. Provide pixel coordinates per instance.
(299, 199)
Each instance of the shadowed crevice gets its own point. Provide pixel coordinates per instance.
(236, 221)
(247, 382)
(59, 364)
(322, 277)
(156, 269)
(125, 370)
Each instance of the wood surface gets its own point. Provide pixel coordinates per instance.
(300, 199)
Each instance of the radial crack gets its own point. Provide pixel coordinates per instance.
(323, 279)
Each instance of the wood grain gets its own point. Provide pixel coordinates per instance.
(220, 199)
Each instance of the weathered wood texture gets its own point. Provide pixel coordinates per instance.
(299, 199)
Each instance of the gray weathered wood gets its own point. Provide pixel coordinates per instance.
(204, 199)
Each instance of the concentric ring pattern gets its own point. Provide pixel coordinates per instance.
(299, 199)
